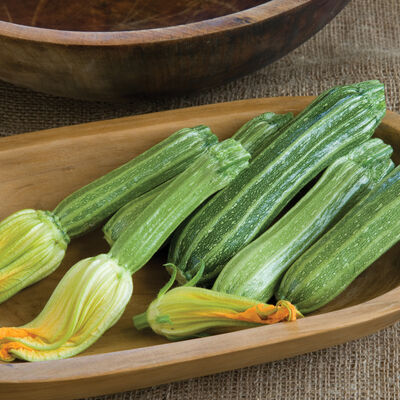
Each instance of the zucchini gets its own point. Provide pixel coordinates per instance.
(255, 271)
(254, 136)
(366, 232)
(37, 240)
(337, 121)
(211, 172)
(258, 133)
(86, 208)
(93, 294)
(129, 212)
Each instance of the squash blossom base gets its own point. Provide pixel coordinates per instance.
(32, 246)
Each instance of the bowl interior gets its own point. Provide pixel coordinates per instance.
(116, 15)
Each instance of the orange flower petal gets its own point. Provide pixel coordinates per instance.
(5, 348)
(15, 333)
(265, 314)
(293, 312)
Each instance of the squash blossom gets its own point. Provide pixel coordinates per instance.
(33, 243)
(88, 300)
(186, 312)
(29, 237)
(94, 293)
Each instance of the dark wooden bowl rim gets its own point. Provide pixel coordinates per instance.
(228, 22)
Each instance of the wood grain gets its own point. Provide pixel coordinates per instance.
(200, 46)
(43, 167)
(121, 15)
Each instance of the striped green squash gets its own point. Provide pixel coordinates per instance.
(328, 128)
(254, 136)
(211, 172)
(258, 133)
(117, 224)
(366, 232)
(86, 208)
(255, 271)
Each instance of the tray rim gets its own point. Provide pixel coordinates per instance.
(137, 368)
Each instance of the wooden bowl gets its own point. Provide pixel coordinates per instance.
(111, 50)
(124, 358)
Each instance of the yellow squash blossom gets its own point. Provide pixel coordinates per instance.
(186, 312)
(32, 245)
(89, 300)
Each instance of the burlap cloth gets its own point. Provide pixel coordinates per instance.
(363, 42)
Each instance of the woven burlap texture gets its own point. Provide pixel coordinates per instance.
(363, 42)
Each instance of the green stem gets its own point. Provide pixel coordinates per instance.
(140, 321)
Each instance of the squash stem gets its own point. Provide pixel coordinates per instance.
(140, 321)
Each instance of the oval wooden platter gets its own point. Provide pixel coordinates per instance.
(40, 168)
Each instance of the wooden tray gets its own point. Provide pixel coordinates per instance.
(39, 169)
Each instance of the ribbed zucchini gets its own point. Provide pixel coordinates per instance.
(86, 208)
(129, 212)
(353, 244)
(258, 133)
(255, 271)
(334, 123)
(218, 166)
(93, 294)
(37, 240)
(254, 136)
